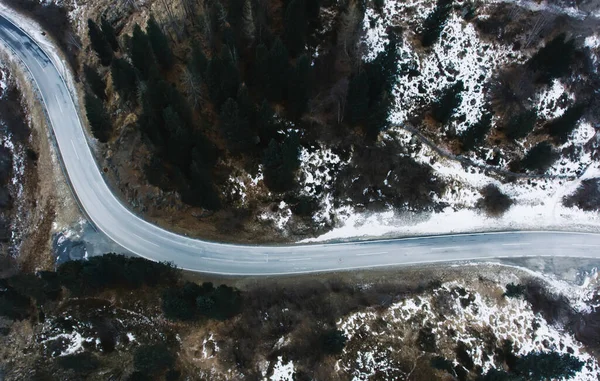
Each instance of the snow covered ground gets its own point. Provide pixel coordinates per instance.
(464, 55)
(474, 313)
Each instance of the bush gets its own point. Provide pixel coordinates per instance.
(426, 340)
(586, 197)
(115, 271)
(553, 60)
(539, 158)
(519, 126)
(435, 22)
(84, 362)
(561, 127)
(333, 341)
(475, 134)
(494, 202)
(193, 301)
(445, 107)
(514, 290)
(539, 366)
(152, 359)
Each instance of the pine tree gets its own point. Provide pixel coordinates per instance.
(248, 28)
(295, 26)
(475, 134)
(519, 126)
(201, 191)
(124, 78)
(554, 59)
(234, 127)
(561, 127)
(277, 64)
(357, 100)
(540, 366)
(539, 158)
(160, 45)
(109, 34)
(141, 54)
(97, 117)
(299, 87)
(198, 61)
(179, 141)
(280, 162)
(95, 82)
(435, 22)
(261, 69)
(222, 77)
(377, 119)
(265, 123)
(99, 43)
(445, 107)
(192, 84)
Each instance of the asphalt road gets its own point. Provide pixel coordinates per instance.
(149, 241)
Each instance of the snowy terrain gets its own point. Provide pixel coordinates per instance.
(464, 55)
(475, 314)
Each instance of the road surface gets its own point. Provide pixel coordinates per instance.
(149, 241)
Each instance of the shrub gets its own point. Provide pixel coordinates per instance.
(553, 60)
(445, 107)
(333, 341)
(561, 127)
(84, 362)
(193, 301)
(152, 359)
(475, 134)
(426, 340)
(114, 271)
(539, 366)
(519, 126)
(586, 197)
(494, 202)
(435, 22)
(514, 290)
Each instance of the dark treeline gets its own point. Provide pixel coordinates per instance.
(242, 87)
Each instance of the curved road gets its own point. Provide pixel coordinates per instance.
(149, 241)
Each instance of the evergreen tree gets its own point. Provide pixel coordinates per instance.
(160, 45)
(201, 191)
(179, 143)
(475, 134)
(222, 78)
(265, 123)
(553, 60)
(97, 117)
(95, 82)
(377, 119)
(124, 79)
(357, 100)
(561, 127)
(519, 126)
(261, 69)
(539, 158)
(445, 107)
(540, 366)
(295, 26)
(280, 163)
(299, 87)
(99, 43)
(333, 341)
(235, 127)
(198, 61)
(277, 65)
(141, 54)
(109, 34)
(435, 22)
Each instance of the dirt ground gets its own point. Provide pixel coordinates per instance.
(47, 204)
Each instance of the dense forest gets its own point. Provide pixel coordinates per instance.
(241, 82)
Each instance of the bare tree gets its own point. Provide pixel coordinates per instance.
(349, 29)
(248, 28)
(338, 94)
(189, 7)
(192, 87)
